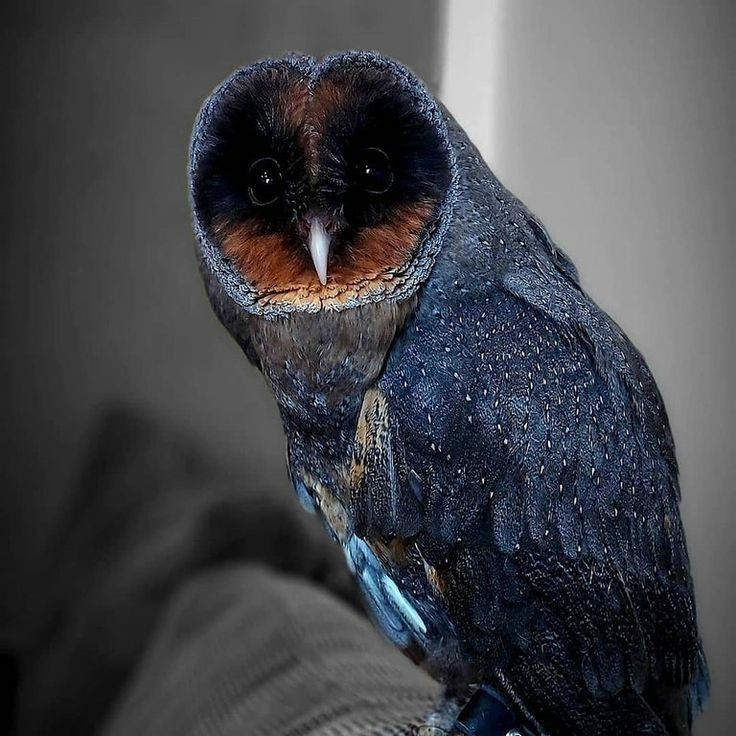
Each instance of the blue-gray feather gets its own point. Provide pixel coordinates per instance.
(510, 500)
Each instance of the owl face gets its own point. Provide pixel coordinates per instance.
(319, 182)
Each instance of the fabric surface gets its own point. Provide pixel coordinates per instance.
(245, 650)
(153, 588)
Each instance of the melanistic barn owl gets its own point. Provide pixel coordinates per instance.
(481, 438)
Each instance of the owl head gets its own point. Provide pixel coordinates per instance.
(320, 184)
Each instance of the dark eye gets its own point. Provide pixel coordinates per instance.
(264, 181)
(372, 171)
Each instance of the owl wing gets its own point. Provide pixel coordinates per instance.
(532, 462)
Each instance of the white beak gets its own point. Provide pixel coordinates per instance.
(319, 248)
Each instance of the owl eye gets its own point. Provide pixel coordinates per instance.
(264, 181)
(372, 171)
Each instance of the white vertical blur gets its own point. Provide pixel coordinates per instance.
(473, 67)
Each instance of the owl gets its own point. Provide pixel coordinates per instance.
(485, 443)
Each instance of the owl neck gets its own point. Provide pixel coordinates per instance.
(319, 366)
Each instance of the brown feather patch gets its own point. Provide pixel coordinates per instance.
(280, 268)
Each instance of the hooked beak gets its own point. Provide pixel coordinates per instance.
(319, 247)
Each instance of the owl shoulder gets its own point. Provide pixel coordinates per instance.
(518, 423)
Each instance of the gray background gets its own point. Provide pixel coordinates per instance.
(613, 121)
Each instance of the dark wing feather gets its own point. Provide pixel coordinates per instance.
(549, 492)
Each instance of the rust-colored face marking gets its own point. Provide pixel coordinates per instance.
(295, 99)
(326, 98)
(385, 248)
(280, 269)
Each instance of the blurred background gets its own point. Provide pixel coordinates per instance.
(614, 122)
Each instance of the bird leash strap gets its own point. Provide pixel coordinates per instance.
(485, 714)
